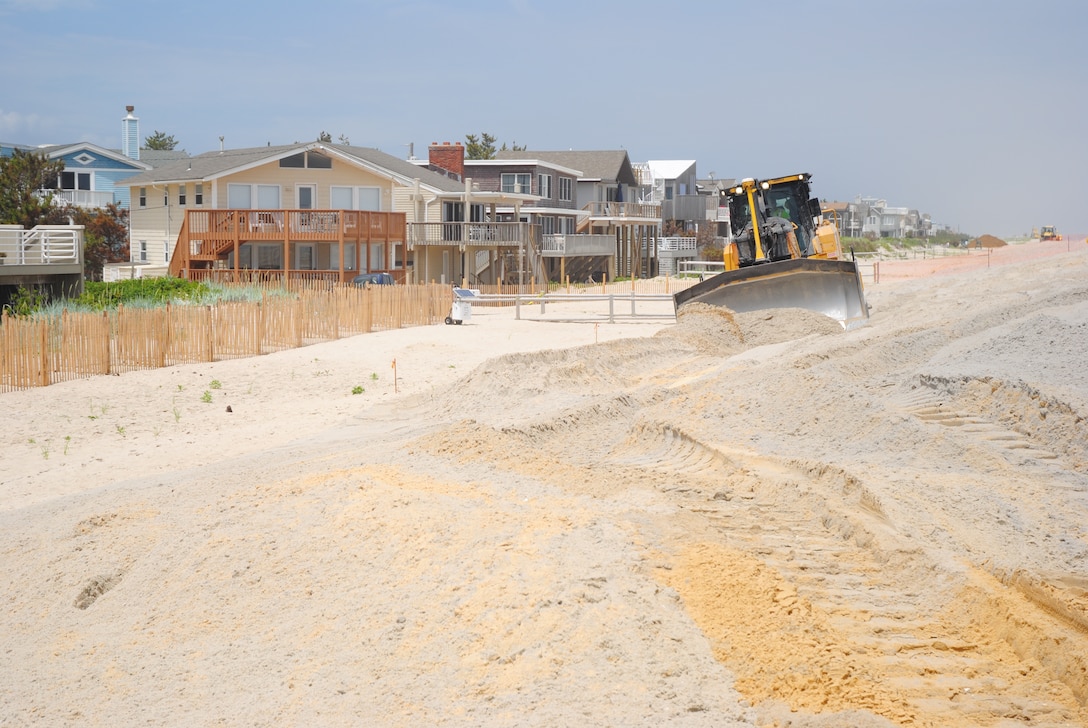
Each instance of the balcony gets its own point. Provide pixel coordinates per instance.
(629, 212)
(84, 198)
(476, 234)
(50, 256)
(325, 241)
(690, 208)
(569, 246)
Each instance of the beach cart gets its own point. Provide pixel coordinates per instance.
(461, 310)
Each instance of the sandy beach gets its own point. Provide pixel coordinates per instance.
(719, 520)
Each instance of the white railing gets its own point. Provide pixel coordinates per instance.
(43, 245)
(678, 244)
(702, 268)
(570, 245)
(82, 198)
(586, 306)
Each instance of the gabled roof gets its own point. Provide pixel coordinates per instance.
(669, 168)
(55, 151)
(213, 165)
(608, 166)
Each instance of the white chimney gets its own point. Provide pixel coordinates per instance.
(130, 135)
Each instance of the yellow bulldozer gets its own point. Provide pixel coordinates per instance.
(783, 254)
(1049, 232)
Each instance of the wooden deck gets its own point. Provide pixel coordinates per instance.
(334, 245)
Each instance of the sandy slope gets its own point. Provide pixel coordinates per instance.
(728, 520)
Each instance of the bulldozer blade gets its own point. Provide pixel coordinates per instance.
(830, 287)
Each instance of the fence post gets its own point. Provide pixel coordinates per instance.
(164, 336)
(632, 303)
(43, 326)
(209, 334)
(611, 309)
(107, 349)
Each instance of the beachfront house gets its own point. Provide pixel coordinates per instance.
(302, 211)
(615, 233)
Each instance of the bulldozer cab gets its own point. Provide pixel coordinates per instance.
(767, 212)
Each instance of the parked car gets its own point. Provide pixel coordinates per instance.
(373, 279)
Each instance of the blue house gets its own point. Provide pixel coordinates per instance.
(90, 171)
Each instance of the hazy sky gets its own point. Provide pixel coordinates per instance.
(975, 111)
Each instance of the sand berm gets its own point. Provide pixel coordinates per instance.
(718, 520)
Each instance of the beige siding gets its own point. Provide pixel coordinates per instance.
(430, 209)
(341, 174)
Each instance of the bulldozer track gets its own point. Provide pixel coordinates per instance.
(933, 407)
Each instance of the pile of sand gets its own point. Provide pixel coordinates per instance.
(733, 520)
(989, 241)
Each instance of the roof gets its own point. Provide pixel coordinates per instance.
(669, 168)
(212, 165)
(523, 162)
(159, 157)
(55, 151)
(608, 166)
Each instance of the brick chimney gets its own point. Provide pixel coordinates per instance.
(448, 157)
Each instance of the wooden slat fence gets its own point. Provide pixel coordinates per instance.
(45, 350)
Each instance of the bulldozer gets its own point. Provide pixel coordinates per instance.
(1049, 232)
(784, 254)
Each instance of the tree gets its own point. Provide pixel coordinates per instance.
(22, 175)
(105, 237)
(481, 147)
(326, 138)
(160, 141)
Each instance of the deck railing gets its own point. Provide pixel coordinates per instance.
(563, 246)
(640, 210)
(41, 245)
(483, 234)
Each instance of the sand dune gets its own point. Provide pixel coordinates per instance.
(750, 519)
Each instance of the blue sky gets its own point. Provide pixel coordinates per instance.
(975, 111)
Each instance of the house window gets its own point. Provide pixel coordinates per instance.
(75, 180)
(143, 251)
(165, 251)
(318, 161)
(544, 183)
(143, 197)
(241, 197)
(268, 197)
(547, 225)
(181, 195)
(199, 194)
(295, 161)
(309, 160)
(515, 183)
(356, 198)
(565, 188)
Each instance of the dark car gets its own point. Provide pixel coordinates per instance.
(372, 279)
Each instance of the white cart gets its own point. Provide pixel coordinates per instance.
(461, 310)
